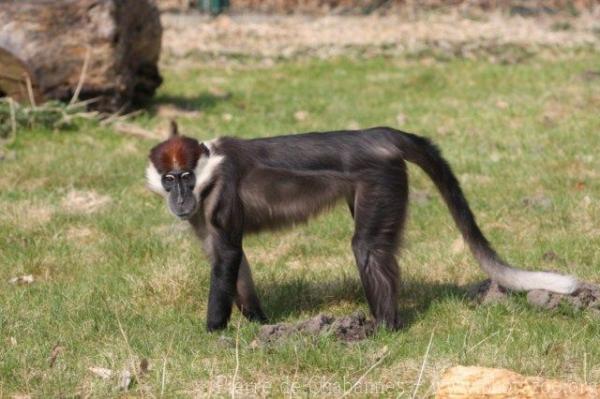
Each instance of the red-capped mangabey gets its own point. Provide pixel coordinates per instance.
(229, 187)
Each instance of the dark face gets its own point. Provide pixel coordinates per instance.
(179, 185)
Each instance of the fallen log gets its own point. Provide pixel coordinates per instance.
(481, 382)
(61, 49)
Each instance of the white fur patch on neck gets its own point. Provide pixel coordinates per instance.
(205, 171)
(153, 180)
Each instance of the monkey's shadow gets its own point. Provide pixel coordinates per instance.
(174, 105)
(282, 299)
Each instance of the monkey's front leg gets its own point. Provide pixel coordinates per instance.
(225, 267)
(246, 298)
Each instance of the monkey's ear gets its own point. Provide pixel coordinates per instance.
(173, 129)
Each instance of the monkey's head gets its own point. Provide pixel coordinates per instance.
(172, 172)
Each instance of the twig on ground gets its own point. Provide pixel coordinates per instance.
(482, 341)
(86, 61)
(131, 355)
(13, 118)
(119, 117)
(237, 359)
(418, 384)
(362, 377)
(30, 91)
(163, 377)
(133, 130)
(54, 354)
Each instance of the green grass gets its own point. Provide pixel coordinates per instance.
(125, 281)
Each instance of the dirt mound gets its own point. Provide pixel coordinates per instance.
(357, 326)
(351, 328)
(586, 297)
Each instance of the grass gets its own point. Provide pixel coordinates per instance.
(118, 280)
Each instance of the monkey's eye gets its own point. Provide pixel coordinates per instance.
(186, 176)
(168, 180)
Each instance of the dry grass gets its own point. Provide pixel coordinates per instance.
(28, 214)
(229, 39)
(86, 202)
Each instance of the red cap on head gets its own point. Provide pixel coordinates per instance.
(177, 153)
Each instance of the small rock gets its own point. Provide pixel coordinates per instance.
(27, 279)
(539, 201)
(400, 119)
(543, 299)
(501, 104)
(101, 372)
(353, 125)
(125, 380)
(300, 115)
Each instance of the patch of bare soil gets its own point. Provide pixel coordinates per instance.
(351, 328)
(496, 36)
(86, 202)
(587, 297)
(357, 326)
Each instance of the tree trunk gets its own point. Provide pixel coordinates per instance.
(480, 382)
(100, 49)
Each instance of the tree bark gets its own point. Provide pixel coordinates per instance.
(480, 382)
(110, 48)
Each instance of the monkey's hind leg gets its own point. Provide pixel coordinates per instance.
(246, 298)
(379, 214)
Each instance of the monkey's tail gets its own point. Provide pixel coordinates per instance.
(426, 155)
